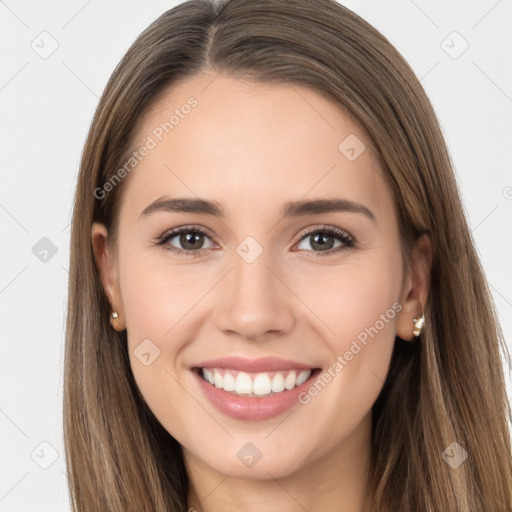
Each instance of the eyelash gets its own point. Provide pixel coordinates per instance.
(347, 240)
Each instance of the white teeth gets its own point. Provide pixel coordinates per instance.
(262, 384)
(243, 384)
(217, 378)
(303, 377)
(229, 382)
(255, 384)
(278, 383)
(291, 379)
(208, 375)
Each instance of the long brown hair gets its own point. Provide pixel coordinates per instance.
(448, 387)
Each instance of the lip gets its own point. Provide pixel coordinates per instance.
(255, 408)
(264, 364)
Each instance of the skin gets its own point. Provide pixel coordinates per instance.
(253, 147)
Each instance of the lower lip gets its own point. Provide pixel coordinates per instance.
(246, 408)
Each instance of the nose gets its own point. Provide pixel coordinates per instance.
(254, 301)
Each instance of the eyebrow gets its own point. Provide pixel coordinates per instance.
(291, 209)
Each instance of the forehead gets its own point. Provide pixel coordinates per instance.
(242, 142)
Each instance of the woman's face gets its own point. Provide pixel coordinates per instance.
(257, 278)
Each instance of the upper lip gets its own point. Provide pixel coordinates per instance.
(270, 364)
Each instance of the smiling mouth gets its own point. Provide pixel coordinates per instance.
(256, 385)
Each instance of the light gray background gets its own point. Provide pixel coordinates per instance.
(46, 107)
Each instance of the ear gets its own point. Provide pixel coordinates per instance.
(107, 268)
(416, 288)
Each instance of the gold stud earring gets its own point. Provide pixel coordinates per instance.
(113, 320)
(418, 325)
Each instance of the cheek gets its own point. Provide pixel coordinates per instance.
(347, 299)
(357, 306)
(361, 312)
(157, 297)
(158, 304)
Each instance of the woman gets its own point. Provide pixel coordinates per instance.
(274, 299)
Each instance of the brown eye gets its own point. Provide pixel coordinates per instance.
(186, 240)
(327, 240)
(191, 240)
